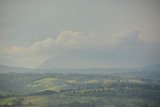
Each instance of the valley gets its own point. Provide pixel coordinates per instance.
(125, 89)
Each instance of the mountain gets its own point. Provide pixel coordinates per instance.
(69, 61)
(151, 69)
(6, 69)
(150, 72)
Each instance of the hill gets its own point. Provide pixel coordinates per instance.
(6, 69)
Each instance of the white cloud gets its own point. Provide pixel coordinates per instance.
(29, 56)
(37, 53)
(42, 46)
(14, 50)
(124, 37)
(70, 39)
(76, 39)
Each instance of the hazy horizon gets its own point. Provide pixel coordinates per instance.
(79, 33)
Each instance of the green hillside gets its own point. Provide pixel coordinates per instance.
(78, 90)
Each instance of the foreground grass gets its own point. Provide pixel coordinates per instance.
(64, 101)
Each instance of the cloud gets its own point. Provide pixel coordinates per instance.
(29, 56)
(41, 47)
(129, 38)
(14, 50)
(40, 51)
(76, 39)
(37, 47)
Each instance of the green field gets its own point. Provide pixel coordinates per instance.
(78, 90)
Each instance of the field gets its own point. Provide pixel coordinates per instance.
(79, 90)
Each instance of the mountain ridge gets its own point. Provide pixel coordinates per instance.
(6, 69)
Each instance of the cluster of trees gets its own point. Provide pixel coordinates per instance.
(116, 92)
(75, 104)
(15, 102)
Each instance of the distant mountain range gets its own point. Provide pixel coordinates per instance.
(70, 61)
(6, 69)
(150, 68)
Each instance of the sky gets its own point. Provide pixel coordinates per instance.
(79, 33)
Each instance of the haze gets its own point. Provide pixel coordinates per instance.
(79, 33)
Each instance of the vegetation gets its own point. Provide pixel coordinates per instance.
(78, 90)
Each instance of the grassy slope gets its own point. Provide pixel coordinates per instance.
(56, 84)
